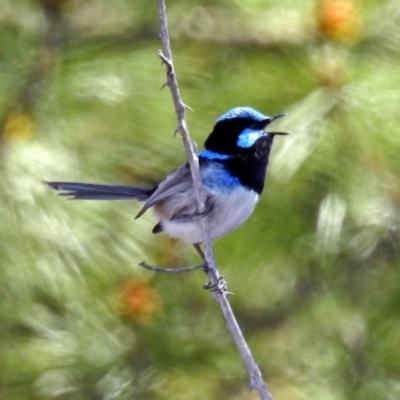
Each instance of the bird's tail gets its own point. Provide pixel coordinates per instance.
(91, 191)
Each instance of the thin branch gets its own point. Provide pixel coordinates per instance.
(169, 270)
(182, 128)
(220, 296)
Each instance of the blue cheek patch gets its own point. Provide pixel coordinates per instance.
(248, 137)
(212, 155)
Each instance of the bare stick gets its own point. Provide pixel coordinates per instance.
(220, 296)
(169, 270)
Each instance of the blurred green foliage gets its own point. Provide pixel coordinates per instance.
(315, 272)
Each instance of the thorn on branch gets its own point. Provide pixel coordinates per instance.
(187, 107)
(165, 84)
(178, 129)
(169, 270)
(165, 61)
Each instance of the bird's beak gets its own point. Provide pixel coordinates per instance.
(272, 119)
(268, 120)
(277, 116)
(278, 133)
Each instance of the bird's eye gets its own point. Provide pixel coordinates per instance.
(254, 125)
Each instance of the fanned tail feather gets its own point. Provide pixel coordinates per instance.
(91, 191)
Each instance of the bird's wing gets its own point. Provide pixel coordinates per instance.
(178, 181)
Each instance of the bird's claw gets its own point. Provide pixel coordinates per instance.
(220, 286)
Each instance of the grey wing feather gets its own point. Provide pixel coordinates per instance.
(177, 181)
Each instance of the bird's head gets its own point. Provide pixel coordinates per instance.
(239, 129)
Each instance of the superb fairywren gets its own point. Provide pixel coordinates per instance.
(232, 171)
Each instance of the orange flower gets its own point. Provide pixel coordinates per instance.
(139, 300)
(339, 19)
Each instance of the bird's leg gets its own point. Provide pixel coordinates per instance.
(218, 286)
(200, 252)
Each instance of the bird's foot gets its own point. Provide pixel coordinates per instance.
(218, 287)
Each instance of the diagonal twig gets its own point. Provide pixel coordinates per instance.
(169, 270)
(220, 296)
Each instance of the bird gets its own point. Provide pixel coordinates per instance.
(232, 169)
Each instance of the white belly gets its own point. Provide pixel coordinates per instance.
(231, 208)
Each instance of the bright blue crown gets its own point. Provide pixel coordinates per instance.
(242, 112)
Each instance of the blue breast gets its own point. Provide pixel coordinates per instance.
(215, 175)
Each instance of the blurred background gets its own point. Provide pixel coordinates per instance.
(315, 272)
